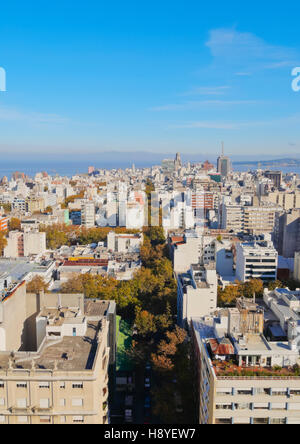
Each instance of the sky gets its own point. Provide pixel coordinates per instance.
(155, 76)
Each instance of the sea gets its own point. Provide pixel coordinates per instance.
(73, 167)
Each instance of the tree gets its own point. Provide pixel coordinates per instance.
(253, 287)
(275, 284)
(145, 323)
(14, 224)
(3, 242)
(36, 285)
(229, 294)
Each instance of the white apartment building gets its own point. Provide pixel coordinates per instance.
(88, 214)
(256, 260)
(25, 244)
(124, 243)
(196, 292)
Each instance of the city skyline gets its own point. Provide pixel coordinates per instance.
(136, 79)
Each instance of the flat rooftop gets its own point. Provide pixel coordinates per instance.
(68, 353)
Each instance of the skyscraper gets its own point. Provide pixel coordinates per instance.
(224, 164)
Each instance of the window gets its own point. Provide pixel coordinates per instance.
(2, 419)
(22, 403)
(278, 392)
(22, 419)
(78, 419)
(62, 385)
(44, 385)
(77, 402)
(62, 402)
(77, 385)
(261, 406)
(295, 392)
(22, 385)
(63, 419)
(277, 420)
(224, 406)
(1, 384)
(2, 402)
(278, 405)
(244, 392)
(260, 420)
(44, 403)
(223, 421)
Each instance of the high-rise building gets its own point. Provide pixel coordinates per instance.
(88, 214)
(56, 350)
(256, 260)
(224, 164)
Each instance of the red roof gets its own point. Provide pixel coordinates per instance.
(223, 348)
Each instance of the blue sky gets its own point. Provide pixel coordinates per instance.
(162, 76)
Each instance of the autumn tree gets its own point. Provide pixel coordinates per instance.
(36, 285)
(274, 284)
(3, 242)
(14, 224)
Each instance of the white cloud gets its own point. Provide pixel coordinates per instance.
(207, 91)
(191, 105)
(245, 49)
(11, 114)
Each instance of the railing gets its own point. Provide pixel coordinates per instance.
(259, 378)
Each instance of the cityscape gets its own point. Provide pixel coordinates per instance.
(149, 216)
(160, 295)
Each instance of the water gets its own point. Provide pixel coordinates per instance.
(73, 167)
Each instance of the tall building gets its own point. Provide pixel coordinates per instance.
(88, 214)
(178, 163)
(275, 176)
(297, 266)
(224, 165)
(243, 376)
(287, 233)
(56, 350)
(256, 260)
(21, 244)
(196, 292)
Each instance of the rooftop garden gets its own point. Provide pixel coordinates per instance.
(229, 368)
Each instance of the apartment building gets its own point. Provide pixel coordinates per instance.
(297, 266)
(35, 204)
(237, 379)
(287, 233)
(21, 244)
(124, 243)
(256, 260)
(196, 292)
(88, 214)
(55, 356)
(247, 218)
